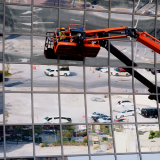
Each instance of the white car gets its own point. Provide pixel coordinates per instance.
(125, 103)
(104, 70)
(56, 120)
(119, 72)
(125, 113)
(64, 71)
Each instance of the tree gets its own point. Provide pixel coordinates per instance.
(49, 139)
(67, 134)
(58, 134)
(38, 130)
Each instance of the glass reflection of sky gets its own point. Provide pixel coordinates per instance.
(129, 157)
(79, 158)
(108, 157)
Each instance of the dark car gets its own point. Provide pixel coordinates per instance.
(149, 112)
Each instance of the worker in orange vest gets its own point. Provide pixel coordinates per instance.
(62, 34)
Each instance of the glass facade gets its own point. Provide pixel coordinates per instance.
(69, 109)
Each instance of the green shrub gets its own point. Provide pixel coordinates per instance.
(73, 141)
(38, 139)
(44, 144)
(105, 138)
(58, 141)
(85, 140)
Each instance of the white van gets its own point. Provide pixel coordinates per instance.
(64, 71)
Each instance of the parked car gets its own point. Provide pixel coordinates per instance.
(125, 103)
(104, 70)
(125, 113)
(94, 113)
(121, 120)
(119, 72)
(97, 99)
(104, 120)
(149, 112)
(138, 110)
(56, 120)
(98, 68)
(153, 71)
(64, 71)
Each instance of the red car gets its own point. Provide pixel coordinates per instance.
(121, 120)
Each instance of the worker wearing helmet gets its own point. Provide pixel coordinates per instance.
(62, 34)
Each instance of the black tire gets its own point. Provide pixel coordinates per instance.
(117, 74)
(52, 75)
(127, 75)
(121, 116)
(65, 74)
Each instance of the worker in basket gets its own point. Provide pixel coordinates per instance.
(62, 35)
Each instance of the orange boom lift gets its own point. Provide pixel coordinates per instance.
(80, 43)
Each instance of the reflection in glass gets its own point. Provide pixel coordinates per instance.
(17, 19)
(72, 103)
(72, 4)
(102, 58)
(100, 114)
(38, 51)
(1, 48)
(17, 48)
(97, 5)
(126, 135)
(122, 6)
(146, 109)
(77, 158)
(49, 158)
(46, 108)
(103, 157)
(46, 2)
(1, 142)
(123, 108)
(1, 77)
(44, 21)
(100, 139)
(150, 156)
(75, 139)
(128, 156)
(157, 59)
(143, 55)
(71, 79)
(45, 78)
(121, 81)
(19, 141)
(145, 7)
(148, 73)
(118, 20)
(19, 1)
(149, 137)
(21, 159)
(93, 17)
(158, 75)
(47, 139)
(125, 48)
(17, 77)
(96, 79)
(17, 108)
(1, 17)
(71, 17)
(145, 23)
(1, 108)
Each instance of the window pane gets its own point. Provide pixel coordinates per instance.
(71, 17)
(149, 137)
(146, 109)
(96, 79)
(1, 47)
(48, 158)
(123, 108)
(1, 19)
(72, 4)
(19, 1)
(149, 74)
(126, 135)
(17, 19)
(121, 80)
(72, 103)
(45, 78)
(38, 51)
(18, 108)
(77, 158)
(1, 142)
(143, 55)
(100, 114)
(74, 135)
(44, 105)
(71, 79)
(47, 140)
(150, 156)
(122, 6)
(44, 21)
(17, 48)
(97, 5)
(1, 77)
(129, 156)
(1, 108)
(17, 77)
(103, 157)
(145, 7)
(100, 139)
(46, 2)
(19, 141)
